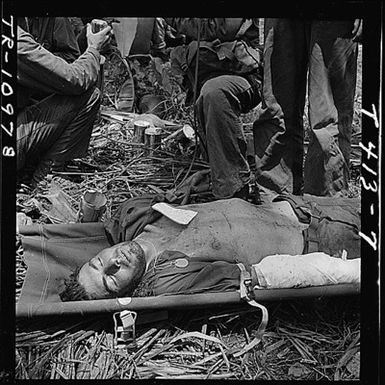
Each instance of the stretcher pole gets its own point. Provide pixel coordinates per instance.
(183, 301)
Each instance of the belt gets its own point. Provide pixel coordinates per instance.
(310, 235)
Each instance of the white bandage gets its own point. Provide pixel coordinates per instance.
(314, 269)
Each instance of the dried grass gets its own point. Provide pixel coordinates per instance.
(299, 346)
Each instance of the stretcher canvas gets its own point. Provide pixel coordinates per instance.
(52, 251)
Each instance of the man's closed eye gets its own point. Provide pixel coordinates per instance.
(109, 283)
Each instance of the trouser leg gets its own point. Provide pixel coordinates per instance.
(278, 131)
(221, 101)
(332, 82)
(58, 128)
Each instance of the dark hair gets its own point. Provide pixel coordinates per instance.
(73, 291)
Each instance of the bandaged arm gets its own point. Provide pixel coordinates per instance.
(314, 269)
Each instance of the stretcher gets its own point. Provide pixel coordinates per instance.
(51, 252)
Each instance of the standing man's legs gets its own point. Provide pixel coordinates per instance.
(56, 129)
(278, 132)
(221, 101)
(332, 83)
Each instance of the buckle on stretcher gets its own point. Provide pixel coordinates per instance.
(124, 329)
(246, 290)
(247, 294)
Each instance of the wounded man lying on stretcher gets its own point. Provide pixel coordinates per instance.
(276, 242)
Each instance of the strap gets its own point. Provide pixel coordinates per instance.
(311, 236)
(244, 27)
(245, 291)
(260, 331)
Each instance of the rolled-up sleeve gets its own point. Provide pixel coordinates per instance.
(41, 70)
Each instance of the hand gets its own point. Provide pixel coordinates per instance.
(97, 25)
(99, 39)
(357, 30)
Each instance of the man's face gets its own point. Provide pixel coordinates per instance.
(108, 274)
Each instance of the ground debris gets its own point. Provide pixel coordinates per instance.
(84, 349)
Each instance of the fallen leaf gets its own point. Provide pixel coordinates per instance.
(353, 366)
(22, 220)
(298, 370)
(59, 209)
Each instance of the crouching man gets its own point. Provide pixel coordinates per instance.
(57, 128)
(168, 257)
